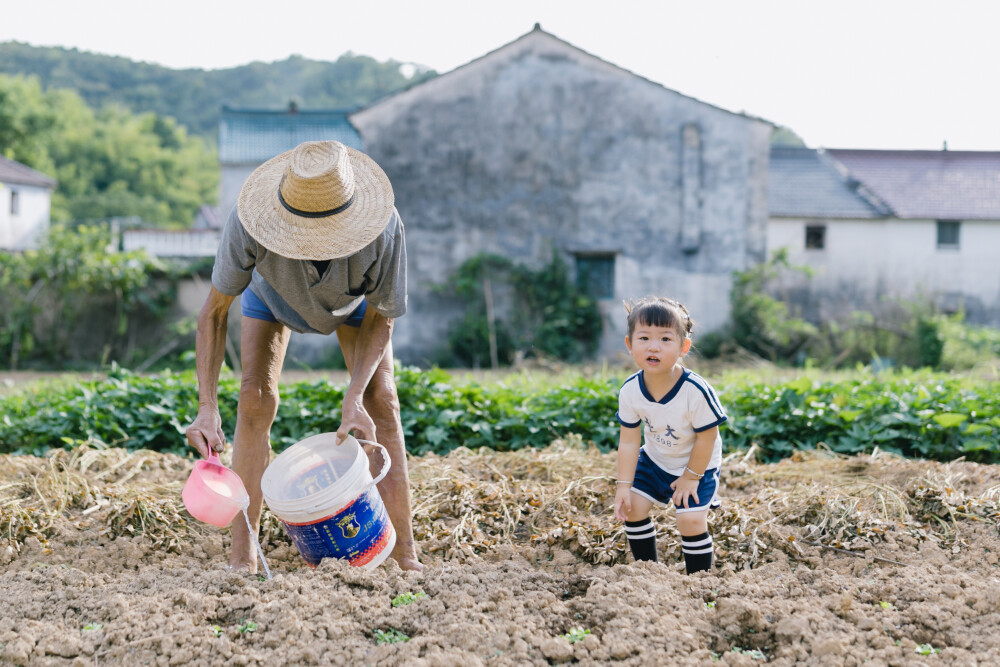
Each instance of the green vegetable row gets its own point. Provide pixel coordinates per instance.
(915, 414)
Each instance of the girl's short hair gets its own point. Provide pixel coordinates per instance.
(658, 311)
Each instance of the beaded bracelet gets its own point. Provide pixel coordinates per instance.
(694, 473)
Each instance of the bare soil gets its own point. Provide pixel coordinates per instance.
(100, 564)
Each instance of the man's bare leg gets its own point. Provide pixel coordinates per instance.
(263, 346)
(382, 404)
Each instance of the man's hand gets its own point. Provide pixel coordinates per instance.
(355, 418)
(623, 501)
(685, 488)
(206, 431)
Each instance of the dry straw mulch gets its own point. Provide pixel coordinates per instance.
(467, 503)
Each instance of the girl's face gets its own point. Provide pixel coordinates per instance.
(657, 349)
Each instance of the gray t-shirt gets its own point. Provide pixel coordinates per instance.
(301, 298)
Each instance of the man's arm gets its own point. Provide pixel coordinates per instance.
(210, 349)
(372, 341)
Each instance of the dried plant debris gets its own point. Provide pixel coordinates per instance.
(469, 503)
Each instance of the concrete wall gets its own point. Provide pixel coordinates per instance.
(23, 229)
(865, 261)
(540, 146)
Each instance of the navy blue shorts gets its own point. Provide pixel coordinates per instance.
(653, 482)
(252, 306)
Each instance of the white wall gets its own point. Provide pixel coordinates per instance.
(168, 243)
(898, 259)
(24, 229)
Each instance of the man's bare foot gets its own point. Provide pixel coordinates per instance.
(411, 564)
(405, 555)
(243, 566)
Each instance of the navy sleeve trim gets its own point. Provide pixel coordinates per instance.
(709, 395)
(723, 420)
(629, 379)
(626, 424)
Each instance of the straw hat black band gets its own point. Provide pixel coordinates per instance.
(314, 214)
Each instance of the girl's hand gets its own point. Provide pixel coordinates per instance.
(623, 502)
(685, 488)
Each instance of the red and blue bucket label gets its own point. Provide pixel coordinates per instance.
(357, 533)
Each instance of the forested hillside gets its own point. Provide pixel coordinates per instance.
(194, 97)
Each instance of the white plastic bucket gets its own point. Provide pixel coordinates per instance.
(326, 498)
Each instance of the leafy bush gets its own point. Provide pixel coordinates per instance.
(914, 414)
(47, 294)
(551, 315)
(906, 333)
(759, 322)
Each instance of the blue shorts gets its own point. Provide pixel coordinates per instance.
(653, 482)
(252, 306)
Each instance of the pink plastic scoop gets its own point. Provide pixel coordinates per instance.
(214, 493)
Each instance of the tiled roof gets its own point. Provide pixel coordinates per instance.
(251, 136)
(802, 182)
(939, 185)
(17, 173)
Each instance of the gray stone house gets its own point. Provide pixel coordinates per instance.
(539, 146)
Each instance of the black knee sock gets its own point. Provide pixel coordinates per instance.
(697, 552)
(642, 539)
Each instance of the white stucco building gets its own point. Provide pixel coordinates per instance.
(897, 225)
(25, 200)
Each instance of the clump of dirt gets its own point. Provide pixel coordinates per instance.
(820, 559)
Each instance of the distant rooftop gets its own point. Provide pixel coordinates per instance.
(19, 174)
(802, 182)
(251, 136)
(938, 185)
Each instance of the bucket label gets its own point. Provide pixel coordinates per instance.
(358, 532)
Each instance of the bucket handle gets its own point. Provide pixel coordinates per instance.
(387, 462)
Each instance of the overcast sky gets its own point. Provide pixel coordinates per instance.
(907, 74)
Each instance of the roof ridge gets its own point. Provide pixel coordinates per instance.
(538, 30)
(858, 186)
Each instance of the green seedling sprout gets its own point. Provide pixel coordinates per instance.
(576, 635)
(407, 597)
(217, 630)
(754, 654)
(92, 626)
(390, 636)
(886, 605)
(926, 649)
(710, 604)
(247, 625)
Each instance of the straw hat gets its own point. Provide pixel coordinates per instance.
(320, 200)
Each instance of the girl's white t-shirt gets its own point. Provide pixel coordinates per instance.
(671, 424)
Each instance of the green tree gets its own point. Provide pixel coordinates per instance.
(195, 96)
(107, 163)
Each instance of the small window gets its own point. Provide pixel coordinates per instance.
(15, 202)
(948, 234)
(595, 275)
(815, 237)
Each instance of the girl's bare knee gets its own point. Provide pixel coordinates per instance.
(692, 523)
